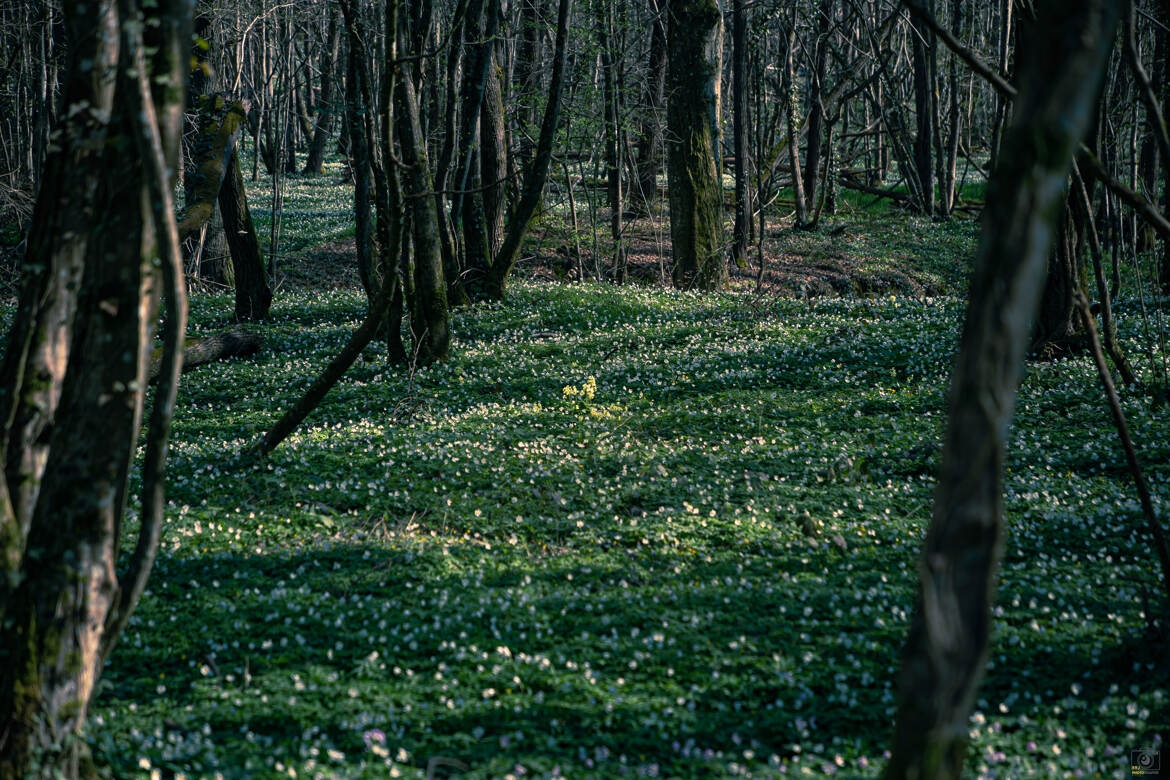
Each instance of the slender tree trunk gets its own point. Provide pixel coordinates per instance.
(534, 181)
(314, 164)
(816, 118)
(612, 137)
(792, 115)
(428, 322)
(359, 153)
(696, 193)
(955, 120)
(742, 148)
(650, 135)
(922, 47)
(945, 654)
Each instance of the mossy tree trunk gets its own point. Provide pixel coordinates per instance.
(428, 311)
(1059, 75)
(695, 32)
(58, 624)
(217, 179)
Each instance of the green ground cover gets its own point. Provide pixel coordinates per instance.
(623, 532)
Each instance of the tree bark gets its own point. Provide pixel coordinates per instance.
(67, 609)
(742, 148)
(315, 162)
(945, 654)
(220, 346)
(696, 193)
(253, 291)
(922, 47)
(650, 136)
(534, 181)
(428, 314)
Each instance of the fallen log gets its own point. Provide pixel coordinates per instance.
(221, 346)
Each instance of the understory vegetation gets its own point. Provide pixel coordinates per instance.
(625, 531)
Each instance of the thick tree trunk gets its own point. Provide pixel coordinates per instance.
(493, 155)
(220, 346)
(218, 179)
(40, 340)
(696, 193)
(945, 654)
(1057, 321)
(63, 616)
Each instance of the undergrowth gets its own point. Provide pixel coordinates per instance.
(623, 532)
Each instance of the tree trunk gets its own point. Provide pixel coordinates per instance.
(253, 292)
(60, 621)
(650, 137)
(950, 171)
(922, 46)
(612, 137)
(493, 155)
(740, 119)
(945, 654)
(534, 181)
(1057, 320)
(325, 108)
(359, 154)
(696, 193)
(221, 346)
(428, 314)
(792, 115)
(816, 117)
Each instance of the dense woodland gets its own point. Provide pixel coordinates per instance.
(584, 389)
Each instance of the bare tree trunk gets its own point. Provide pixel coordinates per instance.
(359, 152)
(792, 115)
(60, 621)
(253, 292)
(325, 108)
(922, 46)
(696, 193)
(816, 118)
(650, 135)
(955, 120)
(428, 320)
(945, 654)
(740, 120)
(534, 181)
(612, 137)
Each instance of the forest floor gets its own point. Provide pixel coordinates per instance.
(627, 531)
